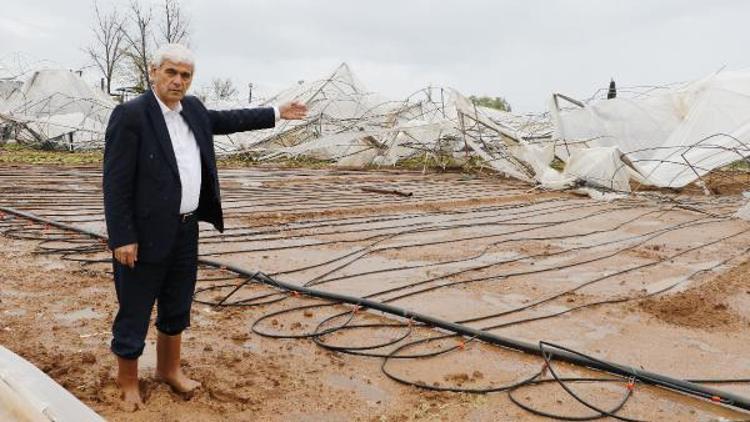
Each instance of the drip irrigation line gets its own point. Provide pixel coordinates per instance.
(659, 232)
(544, 348)
(224, 300)
(604, 277)
(367, 250)
(726, 398)
(357, 350)
(651, 235)
(569, 380)
(378, 236)
(318, 280)
(242, 236)
(557, 352)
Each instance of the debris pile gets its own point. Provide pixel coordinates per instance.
(665, 137)
(54, 107)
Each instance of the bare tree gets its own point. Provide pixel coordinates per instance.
(107, 51)
(175, 27)
(139, 38)
(222, 89)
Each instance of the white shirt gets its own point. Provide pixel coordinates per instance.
(187, 154)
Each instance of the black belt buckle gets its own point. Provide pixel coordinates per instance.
(184, 218)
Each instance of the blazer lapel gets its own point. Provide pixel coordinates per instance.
(162, 133)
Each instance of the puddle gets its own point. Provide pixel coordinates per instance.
(51, 264)
(316, 417)
(740, 304)
(367, 391)
(18, 294)
(86, 313)
(662, 284)
(252, 347)
(599, 331)
(701, 345)
(506, 301)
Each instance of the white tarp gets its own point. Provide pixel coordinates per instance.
(671, 137)
(600, 167)
(58, 91)
(26, 393)
(597, 167)
(337, 103)
(58, 105)
(351, 126)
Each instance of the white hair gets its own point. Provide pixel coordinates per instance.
(177, 53)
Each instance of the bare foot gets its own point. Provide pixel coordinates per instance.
(131, 397)
(127, 380)
(179, 382)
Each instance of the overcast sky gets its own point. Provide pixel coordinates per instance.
(523, 50)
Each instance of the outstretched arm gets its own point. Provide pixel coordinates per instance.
(231, 121)
(224, 122)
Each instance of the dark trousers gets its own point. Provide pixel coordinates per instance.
(170, 283)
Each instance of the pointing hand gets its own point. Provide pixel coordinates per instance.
(294, 110)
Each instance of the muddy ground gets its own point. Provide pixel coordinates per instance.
(57, 312)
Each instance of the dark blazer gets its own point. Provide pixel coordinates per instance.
(141, 184)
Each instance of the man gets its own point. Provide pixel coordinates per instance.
(160, 178)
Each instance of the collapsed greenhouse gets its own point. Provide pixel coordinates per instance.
(665, 137)
(442, 278)
(54, 107)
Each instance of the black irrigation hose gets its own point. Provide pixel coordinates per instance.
(376, 238)
(544, 349)
(559, 353)
(359, 350)
(321, 279)
(479, 255)
(349, 326)
(258, 331)
(507, 275)
(686, 387)
(550, 415)
(555, 314)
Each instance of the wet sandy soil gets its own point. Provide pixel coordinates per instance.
(494, 257)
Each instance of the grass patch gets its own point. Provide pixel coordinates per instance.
(740, 165)
(20, 154)
(443, 163)
(248, 160)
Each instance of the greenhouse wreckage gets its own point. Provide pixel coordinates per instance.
(412, 257)
(663, 137)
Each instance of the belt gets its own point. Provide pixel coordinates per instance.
(188, 216)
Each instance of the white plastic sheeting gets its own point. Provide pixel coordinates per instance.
(671, 137)
(597, 167)
(600, 167)
(58, 105)
(337, 103)
(7, 86)
(351, 126)
(27, 394)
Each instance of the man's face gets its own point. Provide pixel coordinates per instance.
(171, 80)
